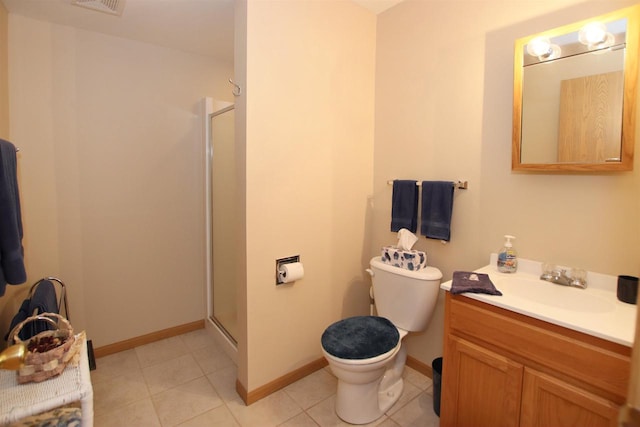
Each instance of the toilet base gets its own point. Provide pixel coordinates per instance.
(364, 403)
(387, 398)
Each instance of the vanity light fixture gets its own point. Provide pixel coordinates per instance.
(595, 36)
(543, 49)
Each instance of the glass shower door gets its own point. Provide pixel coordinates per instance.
(223, 221)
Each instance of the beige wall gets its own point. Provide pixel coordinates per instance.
(4, 73)
(309, 171)
(240, 76)
(443, 112)
(111, 174)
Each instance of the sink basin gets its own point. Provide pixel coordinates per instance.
(536, 291)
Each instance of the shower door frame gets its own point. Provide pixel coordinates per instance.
(212, 109)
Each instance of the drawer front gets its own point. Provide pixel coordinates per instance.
(531, 343)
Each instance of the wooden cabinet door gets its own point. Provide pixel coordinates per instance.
(548, 401)
(480, 388)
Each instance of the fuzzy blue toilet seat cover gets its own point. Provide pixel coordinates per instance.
(360, 337)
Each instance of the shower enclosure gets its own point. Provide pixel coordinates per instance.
(221, 219)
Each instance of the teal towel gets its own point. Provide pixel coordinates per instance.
(437, 209)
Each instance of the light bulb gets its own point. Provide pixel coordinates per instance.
(543, 49)
(539, 46)
(593, 34)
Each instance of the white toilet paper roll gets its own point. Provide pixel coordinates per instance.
(291, 272)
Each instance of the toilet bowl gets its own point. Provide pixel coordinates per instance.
(366, 353)
(361, 365)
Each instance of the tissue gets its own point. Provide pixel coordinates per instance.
(402, 255)
(290, 272)
(406, 239)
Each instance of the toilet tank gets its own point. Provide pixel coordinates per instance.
(407, 298)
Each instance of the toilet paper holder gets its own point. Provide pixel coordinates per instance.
(282, 261)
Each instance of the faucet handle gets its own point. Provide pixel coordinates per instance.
(547, 270)
(579, 278)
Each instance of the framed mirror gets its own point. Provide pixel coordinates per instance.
(574, 95)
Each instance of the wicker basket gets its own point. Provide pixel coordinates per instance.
(41, 366)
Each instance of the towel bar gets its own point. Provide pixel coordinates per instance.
(461, 185)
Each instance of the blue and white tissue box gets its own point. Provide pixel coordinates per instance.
(409, 259)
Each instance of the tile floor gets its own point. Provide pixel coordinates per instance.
(189, 381)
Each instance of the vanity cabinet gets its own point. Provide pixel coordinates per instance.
(505, 369)
(548, 401)
(487, 386)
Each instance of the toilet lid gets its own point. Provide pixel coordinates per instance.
(360, 337)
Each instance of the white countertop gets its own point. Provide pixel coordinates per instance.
(594, 311)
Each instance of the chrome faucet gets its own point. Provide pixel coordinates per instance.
(577, 278)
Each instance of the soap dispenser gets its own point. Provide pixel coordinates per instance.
(508, 258)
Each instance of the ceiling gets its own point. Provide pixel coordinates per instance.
(198, 26)
(203, 27)
(377, 6)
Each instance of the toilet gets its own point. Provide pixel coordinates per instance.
(366, 353)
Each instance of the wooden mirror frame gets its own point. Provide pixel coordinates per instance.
(632, 15)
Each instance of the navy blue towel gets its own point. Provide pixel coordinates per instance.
(22, 314)
(404, 205)
(437, 208)
(477, 283)
(43, 300)
(12, 269)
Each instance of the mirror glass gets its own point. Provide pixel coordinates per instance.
(574, 96)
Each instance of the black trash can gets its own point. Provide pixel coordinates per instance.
(436, 367)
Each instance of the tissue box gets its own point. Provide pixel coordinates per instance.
(411, 260)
